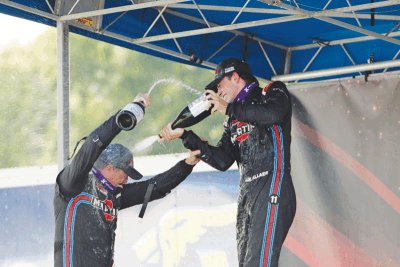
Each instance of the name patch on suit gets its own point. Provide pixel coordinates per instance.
(261, 174)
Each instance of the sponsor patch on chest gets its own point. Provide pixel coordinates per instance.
(240, 130)
(106, 206)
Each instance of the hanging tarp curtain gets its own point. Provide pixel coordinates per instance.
(345, 155)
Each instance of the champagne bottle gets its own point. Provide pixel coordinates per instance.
(130, 116)
(192, 114)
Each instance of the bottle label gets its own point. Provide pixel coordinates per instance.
(198, 106)
(136, 110)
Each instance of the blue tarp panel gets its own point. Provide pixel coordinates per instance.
(292, 34)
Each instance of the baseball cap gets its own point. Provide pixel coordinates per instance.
(228, 66)
(120, 157)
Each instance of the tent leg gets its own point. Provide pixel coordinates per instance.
(62, 94)
(288, 61)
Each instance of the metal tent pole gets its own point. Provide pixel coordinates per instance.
(266, 56)
(62, 94)
(288, 61)
(337, 71)
(347, 53)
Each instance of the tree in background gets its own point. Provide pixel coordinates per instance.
(104, 78)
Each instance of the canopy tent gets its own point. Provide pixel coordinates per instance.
(281, 40)
(276, 37)
(345, 131)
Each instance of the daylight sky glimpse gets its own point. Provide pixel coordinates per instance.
(15, 30)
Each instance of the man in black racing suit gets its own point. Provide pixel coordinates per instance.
(90, 191)
(257, 136)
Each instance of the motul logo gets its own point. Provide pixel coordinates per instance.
(106, 206)
(242, 130)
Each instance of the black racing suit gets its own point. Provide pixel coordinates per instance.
(86, 212)
(257, 136)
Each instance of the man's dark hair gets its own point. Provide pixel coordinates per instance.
(248, 78)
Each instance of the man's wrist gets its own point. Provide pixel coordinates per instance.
(190, 162)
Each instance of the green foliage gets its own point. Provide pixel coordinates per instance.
(103, 79)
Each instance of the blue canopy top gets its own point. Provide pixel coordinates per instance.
(275, 37)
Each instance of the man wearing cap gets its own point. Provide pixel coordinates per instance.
(257, 136)
(91, 190)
